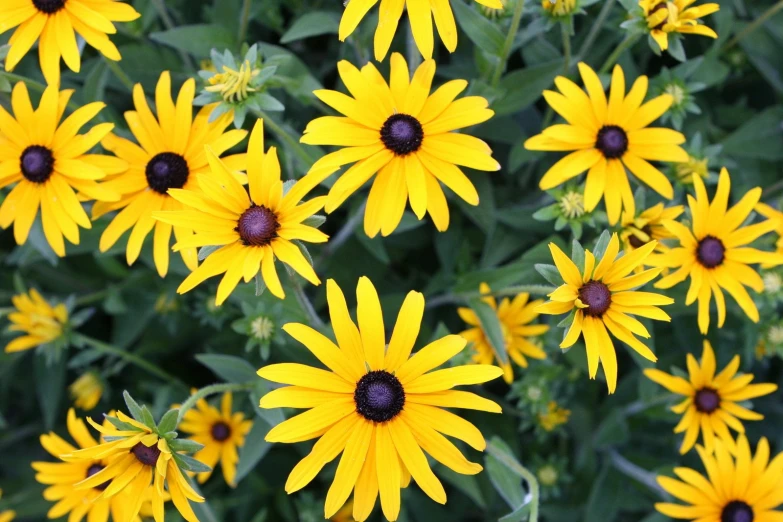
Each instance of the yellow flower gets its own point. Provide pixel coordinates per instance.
(572, 205)
(48, 160)
(559, 7)
(221, 432)
(8, 515)
(744, 488)
(639, 230)
(711, 400)
(55, 24)
(715, 255)
(608, 137)
(138, 462)
(548, 475)
(41, 322)
(603, 299)
(377, 406)
(514, 316)
(676, 17)
(170, 155)
(694, 167)
(251, 230)
(420, 15)
(554, 416)
(86, 391)
(345, 514)
(403, 133)
(232, 85)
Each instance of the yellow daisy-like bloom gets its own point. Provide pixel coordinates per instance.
(378, 406)
(639, 230)
(676, 16)
(602, 298)
(86, 391)
(715, 253)
(41, 322)
(221, 432)
(559, 7)
(170, 155)
(420, 15)
(405, 134)
(554, 416)
(515, 317)
(8, 515)
(61, 477)
(745, 488)
(711, 404)
(48, 160)
(608, 137)
(252, 230)
(138, 461)
(55, 24)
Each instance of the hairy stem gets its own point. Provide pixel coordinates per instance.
(619, 50)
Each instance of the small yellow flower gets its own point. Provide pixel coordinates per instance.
(554, 416)
(86, 391)
(648, 226)
(559, 7)
(676, 16)
(548, 475)
(234, 86)
(41, 322)
(694, 167)
(8, 515)
(572, 204)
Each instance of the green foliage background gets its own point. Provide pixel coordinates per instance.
(612, 446)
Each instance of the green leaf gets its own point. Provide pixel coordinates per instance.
(485, 34)
(550, 273)
(229, 368)
(122, 426)
(759, 138)
(188, 463)
(186, 445)
(490, 324)
(524, 86)
(254, 449)
(203, 252)
(607, 493)
(49, 385)
(168, 422)
(133, 407)
(612, 431)
(578, 255)
(197, 40)
(601, 244)
(260, 284)
(149, 420)
(506, 482)
(316, 220)
(313, 23)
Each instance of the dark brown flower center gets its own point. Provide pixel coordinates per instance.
(167, 170)
(597, 297)
(49, 6)
(657, 8)
(146, 455)
(402, 134)
(711, 252)
(92, 470)
(257, 226)
(707, 400)
(379, 396)
(737, 511)
(221, 431)
(612, 141)
(37, 163)
(634, 240)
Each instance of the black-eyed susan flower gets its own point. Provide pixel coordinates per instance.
(638, 230)
(7, 515)
(676, 16)
(48, 160)
(514, 316)
(251, 230)
(40, 322)
(170, 154)
(743, 488)
(221, 432)
(603, 301)
(86, 391)
(378, 406)
(55, 24)
(608, 137)
(420, 15)
(402, 132)
(553, 417)
(710, 406)
(715, 255)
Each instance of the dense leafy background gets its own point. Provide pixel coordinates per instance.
(498, 242)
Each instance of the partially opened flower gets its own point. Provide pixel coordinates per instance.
(40, 322)
(49, 161)
(608, 136)
(87, 390)
(710, 406)
(252, 230)
(603, 300)
(170, 155)
(676, 16)
(715, 253)
(55, 25)
(404, 134)
(744, 488)
(514, 316)
(638, 230)
(378, 406)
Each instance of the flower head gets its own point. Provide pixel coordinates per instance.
(40, 322)
(693, 168)
(250, 229)
(87, 390)
(572, 205)
(514, 317)
(648, 226)
(739, 488)
(676, 16)
(715, 253)
(559, 8)
(221, 432)
(603, 301)
(710, 406)
(608, 137)
(55, 24)
(379, 406)
(402, 132)
(553, 417)
(48, 161)
(773, 282)
(170, 155)
(233, 85)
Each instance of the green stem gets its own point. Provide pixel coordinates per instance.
(92, 298)
(120, 74)
(206, 391)
(306, 305)
(129, 357)
(565, 33)
(631, 470)
(755, 24)
(160, 6)
(412, 51)
(516, 18)
(523, 472)
(619, 50)
(285, 136)
(244, 21)
(595, 29)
